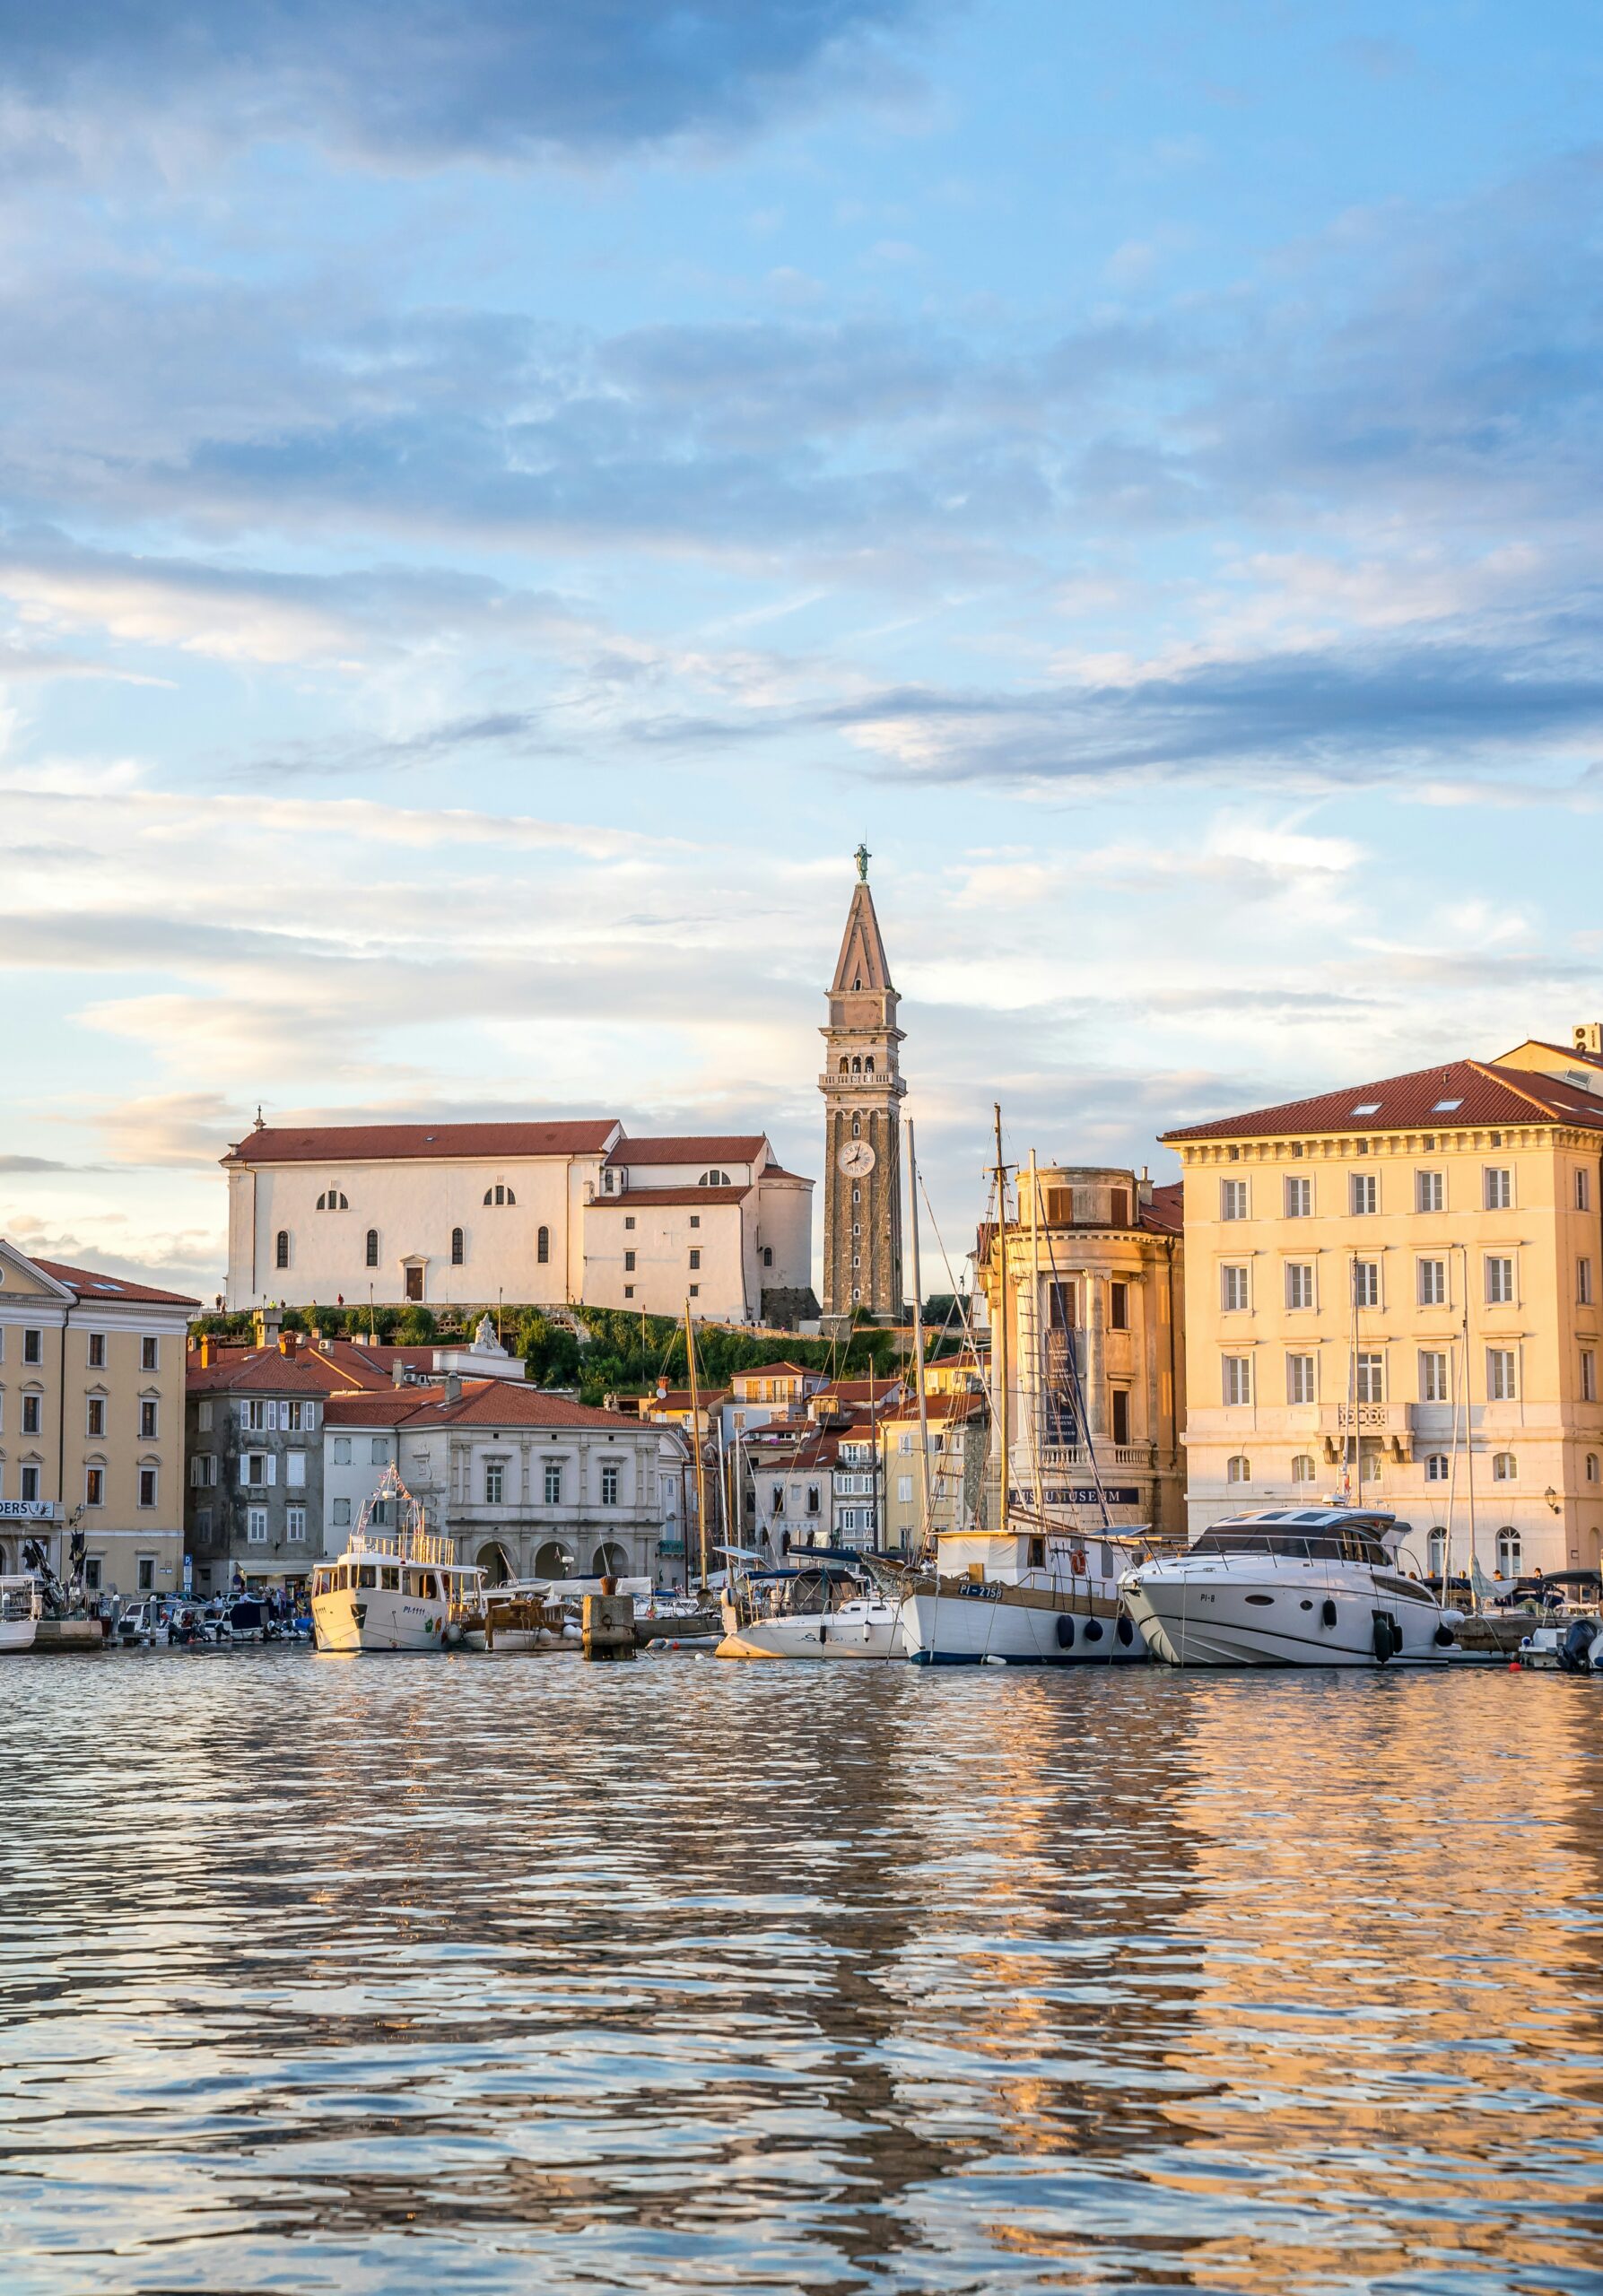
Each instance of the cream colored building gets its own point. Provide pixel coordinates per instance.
(957, 1426)
(1393, 1290)
(91, 1423)
(1094, 1360)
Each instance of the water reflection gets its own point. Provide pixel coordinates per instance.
(523, 1974)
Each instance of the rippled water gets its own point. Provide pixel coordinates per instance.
(496, 1974)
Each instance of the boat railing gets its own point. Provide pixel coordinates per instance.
(404, 1546)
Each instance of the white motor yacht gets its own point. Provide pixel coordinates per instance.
(395, 1588)
(1025, 1597)
(21, 1604)
(1290, 1587)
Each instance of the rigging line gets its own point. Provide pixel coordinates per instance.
(1078, 1396)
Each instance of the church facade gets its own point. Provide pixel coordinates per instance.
(863, 1092)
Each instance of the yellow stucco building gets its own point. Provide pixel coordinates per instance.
(1393, 1291)
(91, 1423)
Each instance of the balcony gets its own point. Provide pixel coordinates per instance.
(1391, 1425)
(1140, 1458)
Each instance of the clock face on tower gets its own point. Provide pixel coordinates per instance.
(857, 1160)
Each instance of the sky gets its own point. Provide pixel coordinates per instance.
(496, 500)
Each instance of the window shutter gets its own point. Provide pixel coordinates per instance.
(245, 1471)
(271, 1468)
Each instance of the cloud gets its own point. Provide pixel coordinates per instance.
(401, 82)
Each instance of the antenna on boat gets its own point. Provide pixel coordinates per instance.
(912, 1199)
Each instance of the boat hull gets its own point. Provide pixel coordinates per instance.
(374, 1619)
(874, 1634)
(962, 1623)
(17, 1634)
(1241, 1622)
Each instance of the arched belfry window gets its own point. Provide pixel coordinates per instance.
(457, 1252)
(332, 1200)
(714, 1178)
(845, 1066)
(868, 1066)
(372, 1247)
(500, 1194)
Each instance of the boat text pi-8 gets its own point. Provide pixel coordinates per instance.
(1027, 1597)
(397, 1587)
(1290, 1587)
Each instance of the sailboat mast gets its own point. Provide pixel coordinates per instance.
(1032, 1389)
(912, 1195)
(695, 1433)
(1001, 1367)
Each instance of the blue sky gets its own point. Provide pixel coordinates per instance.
(495, 501)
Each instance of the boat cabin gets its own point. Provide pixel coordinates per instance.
(1319, 1534)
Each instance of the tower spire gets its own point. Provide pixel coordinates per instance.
(862, 1091)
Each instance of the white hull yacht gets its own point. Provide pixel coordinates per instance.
(399, 1589)
(1023, 1598)
(21, 1604)
(1290, 1587)
(816, 1608)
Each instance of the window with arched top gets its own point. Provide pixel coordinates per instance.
(500, 1194)
(1504, 1466)
(868, 1065)
(459, 1250)
(1591, 1466)
(543, 1245)
(372, 1247)
(845, 1066)
(856, 1064)
(331, 1200)
(1435, 1547)
(280, 1251)
(1302, 1468)
(714, 1178)
(1510, 1552)
(1238, 1469)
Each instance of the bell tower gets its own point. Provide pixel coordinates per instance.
(862, 1090)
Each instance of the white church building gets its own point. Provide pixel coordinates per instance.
(538, 1214)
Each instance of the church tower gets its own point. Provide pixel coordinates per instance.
(862, 1090)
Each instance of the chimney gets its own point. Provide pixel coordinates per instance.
(397, 1373)
(453, 1387)
(206, 1351)
(288, 1342)
(269, 1323)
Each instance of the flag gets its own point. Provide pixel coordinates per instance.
(1480, 1581)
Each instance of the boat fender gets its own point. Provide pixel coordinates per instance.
(1444, 1638)
(1572, 1651)
(1076, 1562)
(1126, 1629)
(1384, 1645)
(1094, 1630)
(1065, 1631)
(1327, 1611)
(990, 1659)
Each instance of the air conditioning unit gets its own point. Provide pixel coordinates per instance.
(1588, 1037)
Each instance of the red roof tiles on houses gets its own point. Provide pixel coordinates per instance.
(261, 1369)
(90, 1286)
(1165, 1214)
(1453, 1093)
(387, 1409)
(638, 1199)
(378, 1142)
(692, 1148)
(500, 1402)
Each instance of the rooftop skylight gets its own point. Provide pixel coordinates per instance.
(1442, 1107)
(1367, 1107)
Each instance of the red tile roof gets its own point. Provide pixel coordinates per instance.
(642, 1199)
(502, 1403)
(387, 1409)
(859, 1390)
(1454, 1093)
(87, 1284)
(262, 1370)
(337, 1144)
(1165, 1214)
(774, 1371)
(692, 1148)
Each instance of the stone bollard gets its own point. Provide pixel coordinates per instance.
(609, 1626)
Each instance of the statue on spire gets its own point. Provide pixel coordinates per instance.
(862, 856)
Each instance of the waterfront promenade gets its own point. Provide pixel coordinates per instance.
(390, 1976)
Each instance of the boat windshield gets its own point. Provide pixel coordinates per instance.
(1320, 1546)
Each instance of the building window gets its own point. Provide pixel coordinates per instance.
(1433, 1282)
(629, 1291)
(1430, 1191)
(714, 1178)
(494, 1482)
(97, 1351)
(1500, 1375)
(695, 1258)
(1583, 1282)
(609, 1483)
(147, 1574)
(458, 1248)
(1302, 1469)
(553, 1482)
(342, 1514)
(1300, 1379)
(695, 1290)
(1299, 1283)
(96, 1421)
(203, 1416)
(1500, 1282)
(29, 1482)
(33, 1414)
(94, 1486)
(147, 1486)
(695, 1219)
(768, 1258)
(1238, 1379)
(1505, 1467)
(1438, 1466)
(280, 1251)
(294, 1469)
(1119, 1307)
(33, 1347)
(628, 1263)
(1589, 1376)
(253, 1413)
(542, 1243)
(1583, 1190)
(149, 1412)
(1371, 1379)
(1364, 1190)
(628, 1222)
(295, 1525)
(904, 1490)
(813, 1501)
(1299, 1196)
(332, 1200)
(1366, 1283)
(414, 1282)
(500, 1194)
(1591, 1466)
(1433, 1375)
(149, 1354)
(92, 1575)
(1508, 1551)
(372, 1247)
(1233, 1289)
(256, 1525)
(1119, 1397)
(1435, 1549)
(342, 1451)
(1233, 1199)
(1498, 1187)
(202, 1470)
(1238, 1469)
